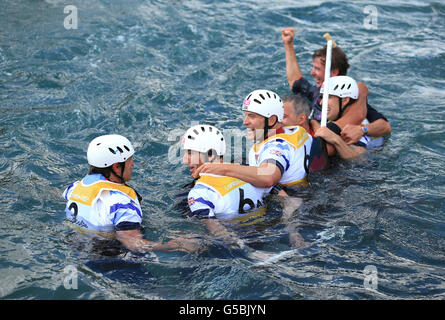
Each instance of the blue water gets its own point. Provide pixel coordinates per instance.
(151, 69)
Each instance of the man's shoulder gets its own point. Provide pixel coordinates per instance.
(304, 87)
(292, 135)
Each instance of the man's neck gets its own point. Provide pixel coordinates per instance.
(115, 179)
(271, 133)
(306, 127)
(275, 131)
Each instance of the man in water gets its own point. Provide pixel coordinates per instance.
(216, 197)
(343, 91)
(349, 125)
(296, 112)
(103, 203)
(279, 153)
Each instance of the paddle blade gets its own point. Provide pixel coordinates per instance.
(318, 157)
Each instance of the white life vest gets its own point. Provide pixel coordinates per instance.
(224, 197)
(99, 205)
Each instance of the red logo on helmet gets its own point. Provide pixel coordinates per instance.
(246, 102)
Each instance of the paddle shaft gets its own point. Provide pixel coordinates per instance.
(327, 75)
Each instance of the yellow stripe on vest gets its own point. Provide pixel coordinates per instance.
(222, 184)
(296, 138)
(86, 194)
(298, 183)
(89, 232)
(254, 217)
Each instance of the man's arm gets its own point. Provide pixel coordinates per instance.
(202, 205)
(132, 239)
(293, 71)
(264, 176)
(336, 142)
(218, 230)
(353, 133)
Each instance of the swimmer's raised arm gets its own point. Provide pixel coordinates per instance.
(293, 71)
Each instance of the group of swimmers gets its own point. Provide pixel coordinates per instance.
(282, 131)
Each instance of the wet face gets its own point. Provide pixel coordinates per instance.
(318, 71)
(193, 159)
(128, 170)
(254, 124)
(289, 118)
(333, 107)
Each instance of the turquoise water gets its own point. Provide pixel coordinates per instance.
(150, 69)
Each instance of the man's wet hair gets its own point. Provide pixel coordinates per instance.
(106, 172)
(298, 103)
(339, 60)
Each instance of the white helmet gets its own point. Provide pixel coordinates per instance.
(342, 86)
(106, 150)
(203, 138)
(265, 103)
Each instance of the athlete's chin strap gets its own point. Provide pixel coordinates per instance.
(267, 127)
(342, 109)
(121, 178)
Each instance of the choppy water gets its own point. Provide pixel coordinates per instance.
(148, 70)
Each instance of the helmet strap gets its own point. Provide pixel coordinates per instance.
(340, 108)
(123, 181)
(211, 155)
(122, 172)
(267, 127)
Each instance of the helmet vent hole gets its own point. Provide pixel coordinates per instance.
(126, 148)
(336, 87)
(262, 97)
(248, 96)
(210, 129)
(349, 86)
(257, 101)
(217, 132)
(342, 87)
(195, 131)
(203, 129)
(191, 138)
(99, 144)
(120, 149)
(112, 151)
(268, 94)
